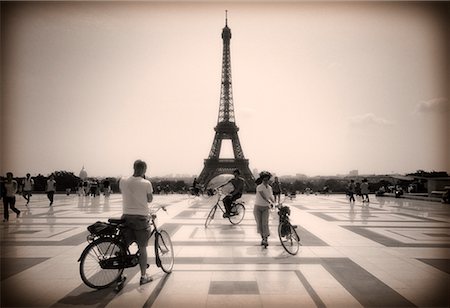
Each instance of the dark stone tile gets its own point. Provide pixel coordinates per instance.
(440, 264)
(233, 287)
(13, 266)
(389, 242)
(184, 214)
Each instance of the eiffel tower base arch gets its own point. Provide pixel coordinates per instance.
(215, 167)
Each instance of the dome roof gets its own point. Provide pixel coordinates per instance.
(83, 174)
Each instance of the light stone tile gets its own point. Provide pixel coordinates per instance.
(291, 301)
(233, 301)
(181, 300)
(233, 276)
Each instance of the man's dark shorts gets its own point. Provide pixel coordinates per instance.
(139, 229)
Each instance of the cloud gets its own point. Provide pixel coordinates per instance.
(369, 119)
(439, 104)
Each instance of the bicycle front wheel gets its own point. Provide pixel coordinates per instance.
(92, 274)
(289, 238)
(164, 249)
(237, 213)
(210, 216)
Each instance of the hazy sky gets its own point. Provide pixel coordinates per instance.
(318, 88)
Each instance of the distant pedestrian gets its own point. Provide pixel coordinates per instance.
(106, 188)
(263, 202)
(51, 188)
(80, 189)
(276, 188)
(28, 184)
(9, 196)
(365, 191)
(351, 190)
(358, 188)
(93, 188)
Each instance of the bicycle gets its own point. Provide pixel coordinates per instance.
(289, 238)
(103, 261)
(237, 212)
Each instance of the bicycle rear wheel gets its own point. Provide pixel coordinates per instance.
(210, 216)
(92, 274)
(237, 213)
(164, 250)
(289, 238)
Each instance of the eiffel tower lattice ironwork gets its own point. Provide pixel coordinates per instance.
(226, 128)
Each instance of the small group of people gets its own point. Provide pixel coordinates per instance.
(9, 188)
(93, 188)
(266, 196)
(358, 189)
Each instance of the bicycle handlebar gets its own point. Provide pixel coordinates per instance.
(160, 207)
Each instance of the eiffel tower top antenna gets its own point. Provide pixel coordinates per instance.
(226, 18)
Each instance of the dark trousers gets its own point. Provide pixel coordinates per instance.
(352, 197)
(50, 195)
(228, 200)
(9, 202)
(365, 197)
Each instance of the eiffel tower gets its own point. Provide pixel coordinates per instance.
(226, 128)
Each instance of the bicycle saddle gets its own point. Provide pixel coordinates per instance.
(116, 221)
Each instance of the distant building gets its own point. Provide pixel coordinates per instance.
(255, 173)
(83, 174)
(353, 173)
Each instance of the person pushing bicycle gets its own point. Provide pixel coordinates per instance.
(137, 193)
(238, 187)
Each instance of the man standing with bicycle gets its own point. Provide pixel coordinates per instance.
(238, 187)
(137, 193)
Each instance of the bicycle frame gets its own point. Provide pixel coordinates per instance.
(218, 204)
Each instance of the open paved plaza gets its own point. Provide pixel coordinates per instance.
(390, 253)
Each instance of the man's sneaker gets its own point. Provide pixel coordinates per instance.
(145, 279)
(18, 214)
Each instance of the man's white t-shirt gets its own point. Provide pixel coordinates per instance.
(134, 194)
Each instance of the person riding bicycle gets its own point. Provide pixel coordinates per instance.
(238, 187)
(137, 193)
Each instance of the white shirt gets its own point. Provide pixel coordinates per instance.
(134, 194)
(28, 184)
(51, 185)
(364, 188)
(266, 191)
(11, 188)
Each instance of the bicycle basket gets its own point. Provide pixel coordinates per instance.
(284, 212)
(101, 228)
(285, 229)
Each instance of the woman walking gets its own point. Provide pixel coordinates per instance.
(263, 202)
